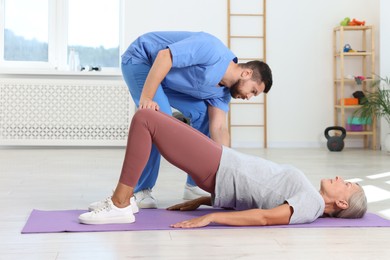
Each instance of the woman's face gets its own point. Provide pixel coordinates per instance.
(338, 189)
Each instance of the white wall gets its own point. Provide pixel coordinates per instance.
(299, 51)
(171, 15)
(384, 54)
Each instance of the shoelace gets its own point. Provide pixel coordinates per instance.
(106, 207)
(146, 194)
(105, 200)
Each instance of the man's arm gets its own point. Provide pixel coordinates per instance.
(159, 70)
(219, 131)
(253, 217)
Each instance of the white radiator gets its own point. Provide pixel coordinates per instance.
(64, 112)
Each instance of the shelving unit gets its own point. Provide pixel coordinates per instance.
(359, 62)
(246, 36)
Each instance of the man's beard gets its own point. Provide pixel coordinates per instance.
(234, 91)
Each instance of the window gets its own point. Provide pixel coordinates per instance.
(21, 44)
(94, 35)
(41, 33)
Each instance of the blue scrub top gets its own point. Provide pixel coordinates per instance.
(199, 61)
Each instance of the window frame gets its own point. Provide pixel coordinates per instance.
(57, 40)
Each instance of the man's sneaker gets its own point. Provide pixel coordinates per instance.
(98, 204)
(193, 192)
(145, 199)
(108, 214)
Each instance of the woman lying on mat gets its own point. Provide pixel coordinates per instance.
(263, 192)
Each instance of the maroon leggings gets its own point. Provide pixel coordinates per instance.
(178, 143)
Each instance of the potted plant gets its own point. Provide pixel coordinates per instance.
(376, 102)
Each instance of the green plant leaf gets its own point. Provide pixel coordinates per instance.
(376, 101)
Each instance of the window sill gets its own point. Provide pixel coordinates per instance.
(110, 73)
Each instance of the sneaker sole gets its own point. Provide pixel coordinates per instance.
(120, 220)
(135, 210)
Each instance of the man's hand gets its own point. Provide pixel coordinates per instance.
(148, 104)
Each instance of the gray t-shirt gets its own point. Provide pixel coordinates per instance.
(246, 182)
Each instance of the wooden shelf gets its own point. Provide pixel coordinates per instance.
(360, 133)
(353, 28)
(357, 53)
(342, 86)
(353, 80)
(347, 107)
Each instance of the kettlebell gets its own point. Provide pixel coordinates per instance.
(335, 143)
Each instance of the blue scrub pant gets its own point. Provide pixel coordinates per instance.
(193, 108)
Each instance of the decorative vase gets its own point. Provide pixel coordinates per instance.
(387, 143)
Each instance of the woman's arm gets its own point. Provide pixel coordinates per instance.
(159, 70)
(254, 217)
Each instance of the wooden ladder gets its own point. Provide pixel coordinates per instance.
(242, 38)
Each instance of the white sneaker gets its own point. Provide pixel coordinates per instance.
(108, 214)
(145, 199)
(98, 204)
(193, 192)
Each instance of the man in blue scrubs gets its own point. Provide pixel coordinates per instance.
(195, 73)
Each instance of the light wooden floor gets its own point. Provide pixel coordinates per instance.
(50, 179)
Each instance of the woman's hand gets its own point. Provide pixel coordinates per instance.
(186, 206)
(195, 222)
(148, 104)
(192, 204)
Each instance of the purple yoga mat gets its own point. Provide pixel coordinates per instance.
(159, 219)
